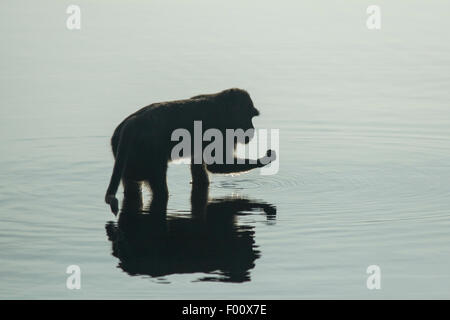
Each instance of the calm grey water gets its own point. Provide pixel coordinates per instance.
(364, 120)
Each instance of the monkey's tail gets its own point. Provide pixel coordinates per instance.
(123, 148)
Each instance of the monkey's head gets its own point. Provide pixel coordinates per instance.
(239, 111)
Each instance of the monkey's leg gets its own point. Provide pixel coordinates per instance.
(199, 175)
(132, 192)
(158, 184)
(238, 166)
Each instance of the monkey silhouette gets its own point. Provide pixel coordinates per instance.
(142, 143)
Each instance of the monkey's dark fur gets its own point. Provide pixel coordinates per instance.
(142, 144)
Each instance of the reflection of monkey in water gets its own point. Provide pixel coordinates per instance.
(142, 143)
(209, 240)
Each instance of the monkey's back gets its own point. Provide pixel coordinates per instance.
(157, 121)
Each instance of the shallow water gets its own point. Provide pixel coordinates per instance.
(364, 153)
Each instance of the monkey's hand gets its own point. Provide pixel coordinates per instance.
(268, 158)
(113, 203)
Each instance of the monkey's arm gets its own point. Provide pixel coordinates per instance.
(238, 166)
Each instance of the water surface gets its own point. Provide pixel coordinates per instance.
(364, 173)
